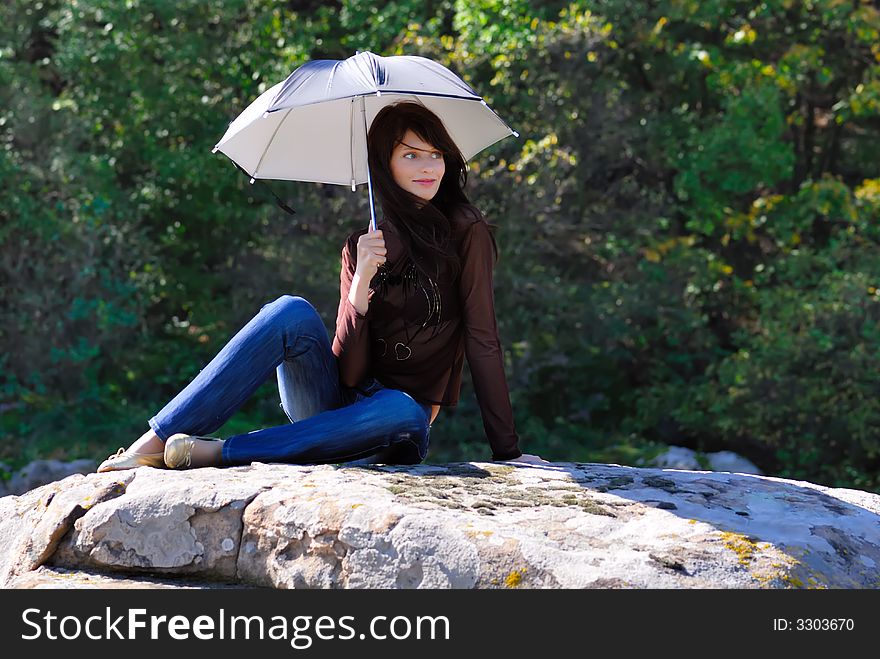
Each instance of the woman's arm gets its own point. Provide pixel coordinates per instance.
(361, 257)
(351, 344)
(359, 294)
(482, 343)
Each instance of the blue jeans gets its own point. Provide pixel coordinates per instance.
(329, 423)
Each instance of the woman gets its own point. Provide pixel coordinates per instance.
(415, 298)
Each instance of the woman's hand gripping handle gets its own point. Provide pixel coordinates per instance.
(370, 255)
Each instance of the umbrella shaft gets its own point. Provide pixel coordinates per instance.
(369, 178)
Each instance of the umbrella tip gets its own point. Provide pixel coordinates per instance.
(515, 134)
(252, 180)
(353, 186)
(214, 150)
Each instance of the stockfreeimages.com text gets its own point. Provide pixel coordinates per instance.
(301, 631)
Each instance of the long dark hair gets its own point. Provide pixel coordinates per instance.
(425, 228)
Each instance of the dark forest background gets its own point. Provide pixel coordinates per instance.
(689, 222)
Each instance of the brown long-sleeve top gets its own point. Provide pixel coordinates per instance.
(417, 331)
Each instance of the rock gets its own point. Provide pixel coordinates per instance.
(4, 478)
(60, 578)
(40, 472)
(32, 525)
(679, 457)
(730, 461)
(466, 525)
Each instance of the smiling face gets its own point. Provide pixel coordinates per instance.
(417, 166)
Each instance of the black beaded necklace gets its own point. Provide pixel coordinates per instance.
(411, 281)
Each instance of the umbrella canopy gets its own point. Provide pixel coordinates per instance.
(313, 126)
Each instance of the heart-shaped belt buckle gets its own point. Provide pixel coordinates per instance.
(397, 352)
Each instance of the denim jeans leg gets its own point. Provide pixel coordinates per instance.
(371, 425)
(308, 381)
(285, 329)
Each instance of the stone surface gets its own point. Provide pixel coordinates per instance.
(465, 525)
(32, 525)
(61, 578)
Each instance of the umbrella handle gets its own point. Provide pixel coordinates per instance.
(369, 178)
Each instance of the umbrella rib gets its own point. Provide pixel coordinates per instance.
(447, 75)
(269, 143)
(351, 141)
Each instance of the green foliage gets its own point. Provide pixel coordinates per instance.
(688, 222)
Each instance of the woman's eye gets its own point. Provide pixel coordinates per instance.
(436, 155)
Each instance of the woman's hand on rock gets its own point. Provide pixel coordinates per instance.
(529, 459)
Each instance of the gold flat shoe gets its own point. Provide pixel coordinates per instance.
(178, 450)
(122, 459)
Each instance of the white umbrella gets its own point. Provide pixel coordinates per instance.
(313, 126)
